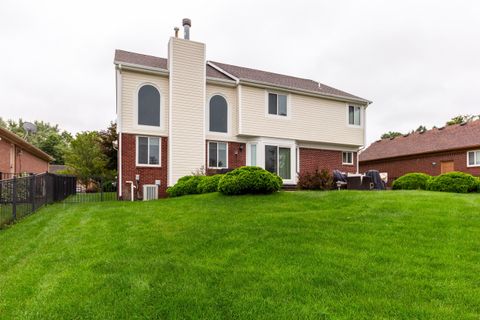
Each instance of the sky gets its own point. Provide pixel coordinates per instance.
(418, 61)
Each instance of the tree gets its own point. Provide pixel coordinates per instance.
(107, 138)
(85, 158)
(462, 118)
(391, 134)
(421, 128)
(48, 138)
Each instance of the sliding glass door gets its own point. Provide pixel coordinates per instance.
(278, 160)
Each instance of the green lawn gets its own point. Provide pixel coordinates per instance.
(292, 255)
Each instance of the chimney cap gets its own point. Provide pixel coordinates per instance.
(187, 22)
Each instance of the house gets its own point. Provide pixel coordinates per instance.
(183, 113)
(436, 151)
(17, 156)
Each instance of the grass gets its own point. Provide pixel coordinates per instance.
(292, 255)
(81, 197)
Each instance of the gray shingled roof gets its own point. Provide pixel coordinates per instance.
(453, 137)
(242, 73)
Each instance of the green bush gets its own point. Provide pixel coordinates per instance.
(412, 181)
(318, 180)
(478, 184)
(209, 184)
(453, 182)
(185, 185)
(249, 180)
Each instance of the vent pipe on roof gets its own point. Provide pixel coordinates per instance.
(187, 23)
(176, 31)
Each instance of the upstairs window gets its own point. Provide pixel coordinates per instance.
(354, 115)
(148, 151)
(217, 155)
(148, 106)
(277, 104)
(218, 110)
(473, 158)
(347, 158)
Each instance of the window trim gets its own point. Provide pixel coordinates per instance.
(347, 163)
(277, 116)
(475, 160)
(159, 151)
(229, 121)
(208, 154)
(362, 117)
(135, 116)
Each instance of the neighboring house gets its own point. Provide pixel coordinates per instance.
(179, 114)
(18, 156)
(436, 151)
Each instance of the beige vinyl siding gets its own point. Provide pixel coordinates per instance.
(311, 119)
(187, 108)
(230, 94)
(131, 82)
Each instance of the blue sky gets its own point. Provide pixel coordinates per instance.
(418, 61)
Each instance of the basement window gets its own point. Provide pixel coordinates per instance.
(347, 158)
(473, 158)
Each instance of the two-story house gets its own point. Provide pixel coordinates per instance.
(180, 114)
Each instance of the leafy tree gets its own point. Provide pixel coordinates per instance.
(421, 128)
(391, 134)
(85, 158)
(48, 138)
(107, 138)
(462, 118)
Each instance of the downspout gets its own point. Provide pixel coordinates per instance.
(118, 76)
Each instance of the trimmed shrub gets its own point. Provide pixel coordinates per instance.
(478, 184)
(412, 181)
(249, 180)
(318, 180)
(185, 185)
(453, 182)
(209, 184)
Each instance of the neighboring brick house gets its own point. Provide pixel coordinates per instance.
(182, 113)
(19, 156)
(436, 151)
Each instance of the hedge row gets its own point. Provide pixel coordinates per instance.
(458, 182)
(244, 180)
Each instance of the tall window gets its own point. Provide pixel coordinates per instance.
(347, 157)
(217, 155)
(473, 158)
(218, 114)
(354, 116)
(148, 150)
(278, 160)
(277, 104)
(253, 154)
(148, 106)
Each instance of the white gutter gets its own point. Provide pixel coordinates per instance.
(214, 66)
(136, 67)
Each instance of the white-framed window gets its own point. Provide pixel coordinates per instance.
(279, 160)
(148, 106)
(148, 151)
(473, 158)
(253, 154)
(277, 104)
(347, 157)
(354, 115)
(217, 155)
(218, 114)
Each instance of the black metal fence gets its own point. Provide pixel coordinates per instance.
(8, 175)
(22, 196)
(94, 189)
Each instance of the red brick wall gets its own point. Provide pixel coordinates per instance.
(313, 159)
(24, 161)
(401, 166)
(237, 156)
(148, 175)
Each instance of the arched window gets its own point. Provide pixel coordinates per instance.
(218, 114)
(148, 106)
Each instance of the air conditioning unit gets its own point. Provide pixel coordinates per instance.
(150, 192)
